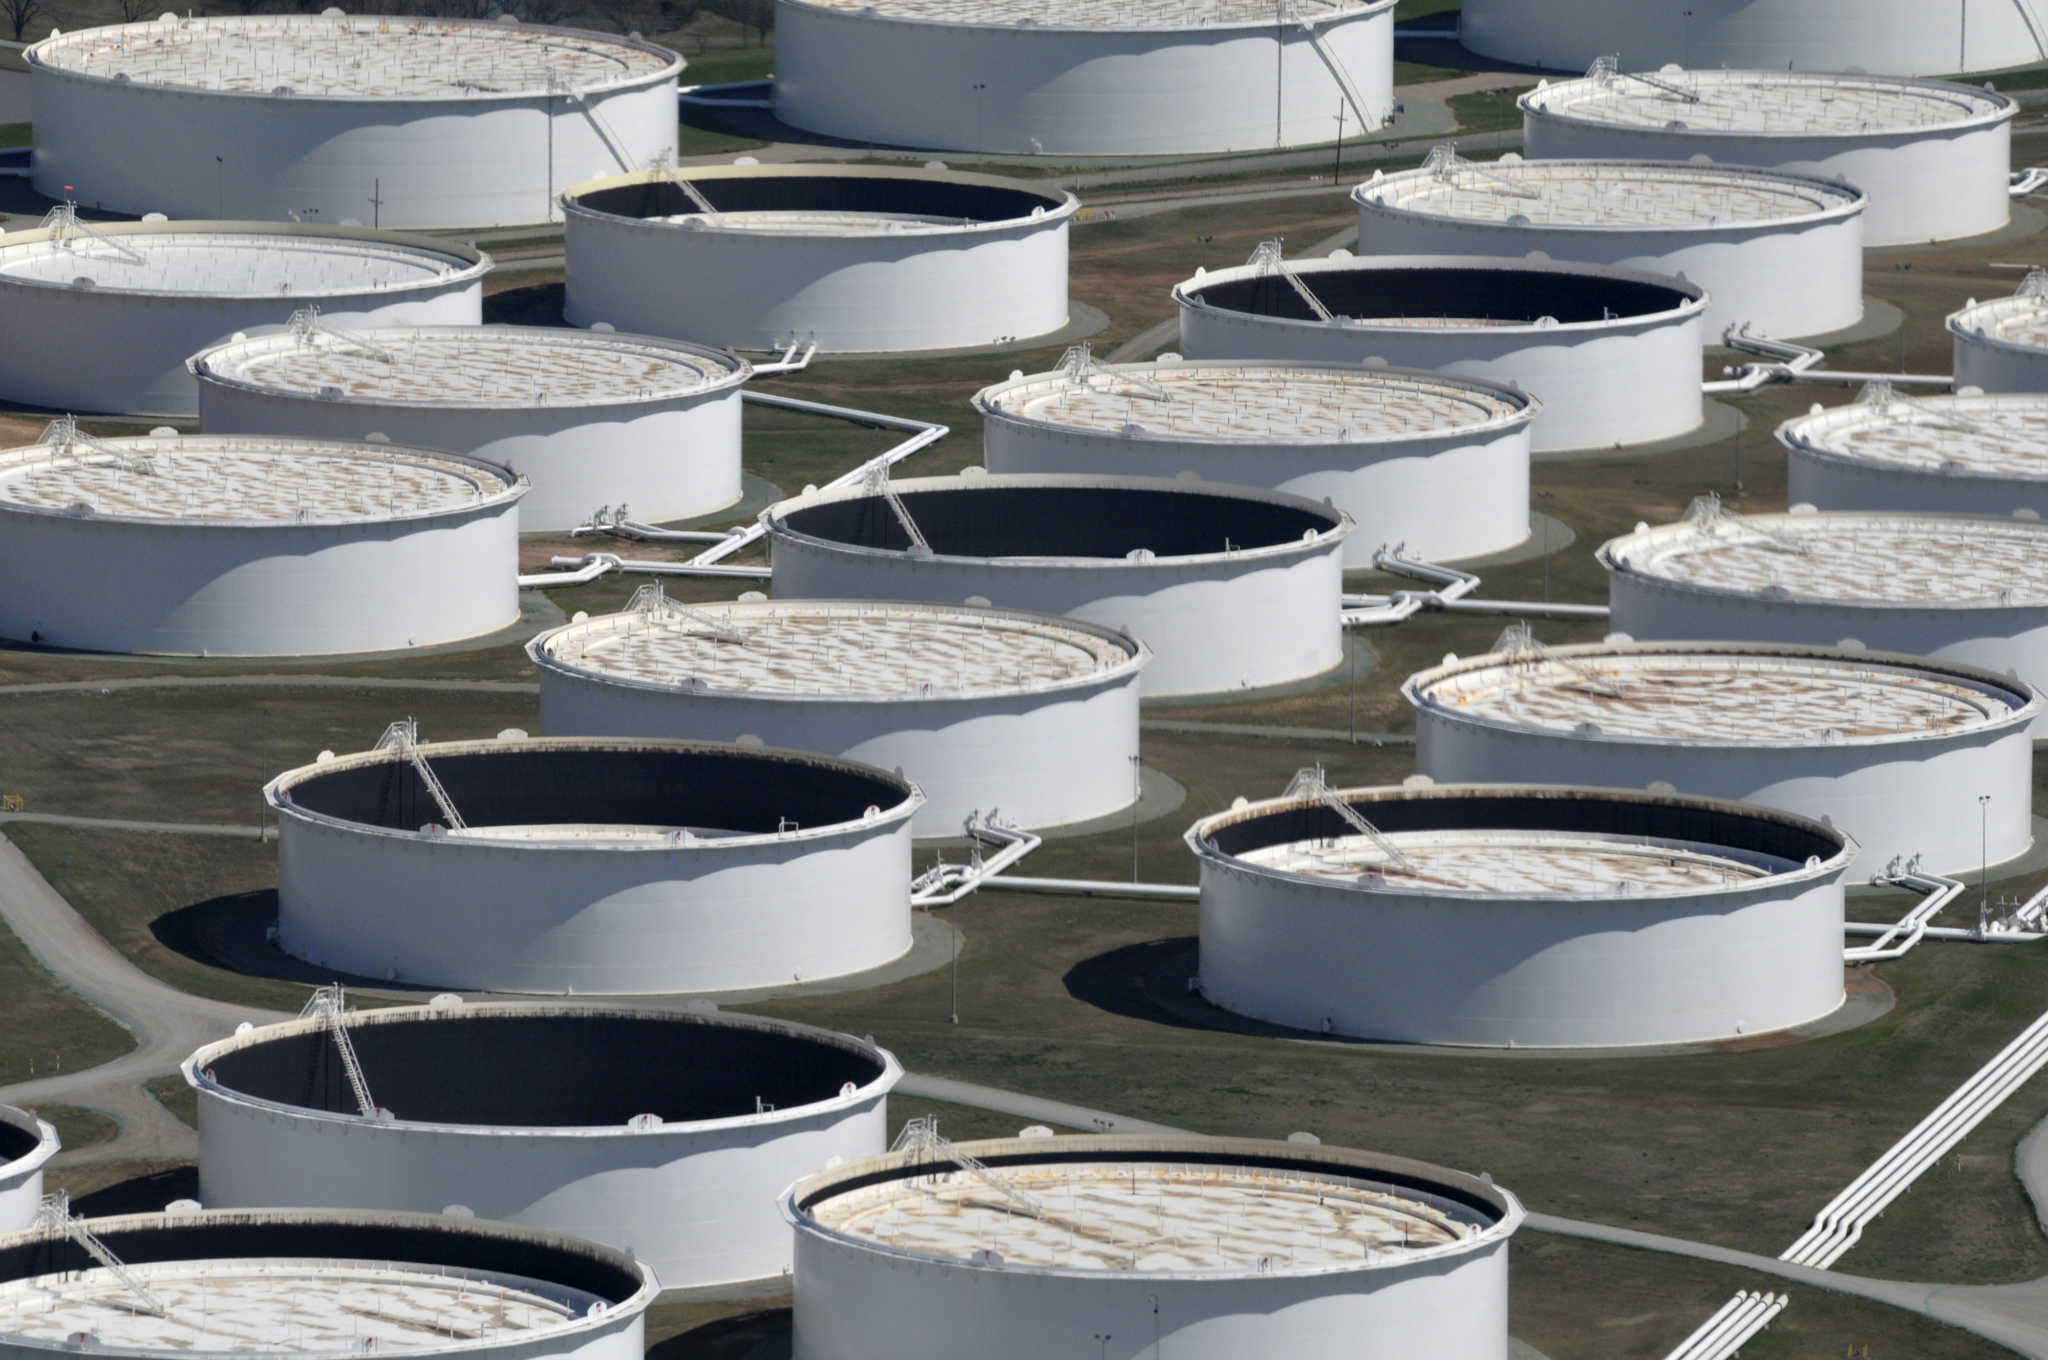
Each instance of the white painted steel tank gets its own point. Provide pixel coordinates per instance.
(1094, 78)
(665, 1134)
(1913, 37)
(2002, 345)
(344, 118)
(1232, 588)
(590, 419)
(986, 709)
(1970, 588)
(856, 257)
(1895, 750)
(326, 1284)
(26, 1144)
(1613, 354)
(1197, 1248)
(1518, 915)
(1438, 463)
(105, 314)
(244, 545)
(1934, 159)
(1778, 252)
(594, 865)
(1978, 455)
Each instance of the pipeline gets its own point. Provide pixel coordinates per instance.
(1091, 887)
(2026, 181)
(1452, 595)
(1790, 363)
(1937, 892)
(587, 568)
(944, 884)
(648, 567)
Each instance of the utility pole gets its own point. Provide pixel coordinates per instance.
(1337, 170)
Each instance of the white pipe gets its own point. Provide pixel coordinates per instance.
(1089, 887)
(585, 569)
(1790, 363)
(791, 361)
(1936, 894)
(944, 884)
(640, 567)
(2025, 181)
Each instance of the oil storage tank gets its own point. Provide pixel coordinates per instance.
(1980, 455)
(2002, 345)
(590, 419)
(1525, 916)
(243, 545)
(664, 1134)
(1436, 462)
(1933, 158)
(302, 1282)
(855, 257)
(26, 1145)
(586, 864)
(1040, 77)
(1613, 354)
(1232, 588)
(986, 709)
(1781, 253)
(1199, 1248)
(1895, 750)
(117, 307)
(344, 118)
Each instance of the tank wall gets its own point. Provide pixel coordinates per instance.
(494, 916)
(21, 1189)
(851, 1304)
(136, 149)
(295, 590)
(1832, 484)
(669, 461)
(1998, 368)
(1925, 187)
(1011, 90)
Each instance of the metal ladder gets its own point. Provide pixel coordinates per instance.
(921, 1135)
(63, 435)
(1608, 68)
(652, 599)
(404, 736)
(55, 1212)
(1267, 260)
(876, 483)
(1310, 782)
(65, 227)
(328, 1003)
(1706, 514)
(1517, 642)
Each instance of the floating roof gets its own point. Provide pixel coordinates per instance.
(1514, 863)
(2002, 437)
(1607, 195)
(2020, 321)
(291, 263)
(1769, 103)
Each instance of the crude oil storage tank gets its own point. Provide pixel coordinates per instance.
(1436, 462)
(1230, 587)
(583, 864)
(665, 1134)
(344, 118)
(1935, 159)
(1093, 78)
(1970, 588)
(1525, 916)
(2002, 345)
(26, 1143)
(233, 545)
(1974, 455)
(589, 419)
(1200, 1248)
(310, 1283)
(116, 307)
(985, 709)
(1779, 252)
(1802, 35)
(1613, 354)
(855, 257)
(1895, 750)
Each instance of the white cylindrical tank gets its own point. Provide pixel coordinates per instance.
(856, 257)
(322, 1284)
(1895, 750)
(1970, 588)
(593, 865)
(1973, 455)
(1438, 463)
(665, 1134)
(1052, 77)
(1230, 587)
(344, 118)
(26, 1143)
(1922, 38)
(232, 545)
(2002, 345)
(1934, 159)
(105, 314)
(1778, 252)
(589, 419)
(1030, 714)
(1197, 1248)
(1520, 915)
(1613, 354)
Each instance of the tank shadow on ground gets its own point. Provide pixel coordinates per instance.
(536, 304)
(146, 1194)
(231, 932)
(762, 1335)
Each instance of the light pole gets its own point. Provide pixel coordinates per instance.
(1337, 170)
(220, 192)
(953, 985)
(1137, 792)
(1103, 1339)
(1983, 851)
(979, 87)
(1543, 498)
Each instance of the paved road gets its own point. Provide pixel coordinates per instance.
(125, 683)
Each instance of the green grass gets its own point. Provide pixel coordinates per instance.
(173, 1093)
(45, 1027)
(77, 1127)
(728, 66)
(1487, 110)
(17, 134)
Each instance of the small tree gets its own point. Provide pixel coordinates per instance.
(135, 11)
(20, 14)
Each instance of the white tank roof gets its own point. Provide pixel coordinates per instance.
(471, 366)
(1100, 14)
(1770, 103)
(839, 649)
(245, 480)
(1240, 401)
(355, 57)
(2020, 320)
(234, 260)
(1876, 559)
(2003, 437)
(1607, 195)
(1516, 863)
